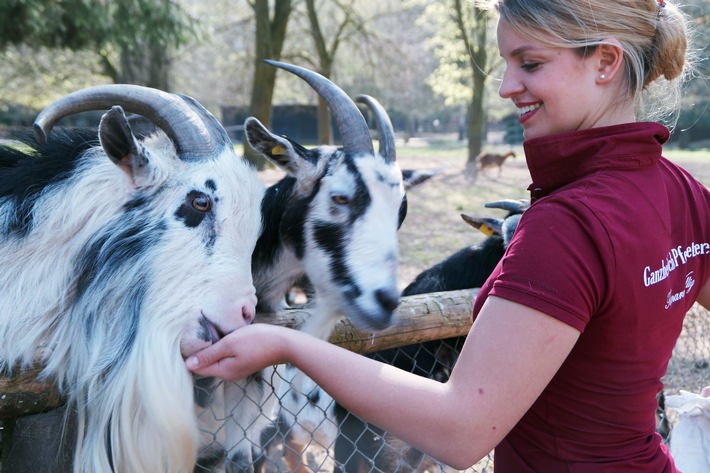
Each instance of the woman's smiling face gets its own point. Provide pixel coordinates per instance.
(555, 89)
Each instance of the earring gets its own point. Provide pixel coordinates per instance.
(602, 76)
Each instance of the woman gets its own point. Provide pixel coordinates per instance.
(576, 325)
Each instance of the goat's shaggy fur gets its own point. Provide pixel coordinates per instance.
(117, 270)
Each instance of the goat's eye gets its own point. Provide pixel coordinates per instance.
(201, 202)
(340, 199)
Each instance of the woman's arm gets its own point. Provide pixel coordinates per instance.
(510, 355)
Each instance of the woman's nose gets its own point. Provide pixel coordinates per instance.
(509, 86)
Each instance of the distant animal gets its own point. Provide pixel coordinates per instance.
(492, 160)
(122, 253)
(361, 446)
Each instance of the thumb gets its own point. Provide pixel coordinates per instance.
(202, 359)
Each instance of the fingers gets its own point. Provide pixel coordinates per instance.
(217, 369)
(206, 356)
(242, 352)
(215, 361)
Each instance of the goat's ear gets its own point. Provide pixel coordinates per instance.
(276, 149)
(118, 142)
(412, 177)
(487, 226)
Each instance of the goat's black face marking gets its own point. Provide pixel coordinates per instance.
(210, 184)
(402, 211)
(110, 254)
(196, 207)
(331, 239)
(361, 198)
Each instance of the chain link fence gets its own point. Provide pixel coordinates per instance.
(306, 432)
(335, 442)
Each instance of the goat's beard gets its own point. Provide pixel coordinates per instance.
(148, 400)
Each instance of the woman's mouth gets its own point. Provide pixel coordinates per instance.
(527, 110)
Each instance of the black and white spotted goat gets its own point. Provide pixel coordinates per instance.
(121, 254)
(362, 447)
(333, 218)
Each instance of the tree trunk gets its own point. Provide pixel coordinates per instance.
(324, 130)
(476, 114)
(476, 123)
(148, 67)
(269, 40)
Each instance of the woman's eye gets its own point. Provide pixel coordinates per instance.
(530, 66)
(340, 199)
(202, 203)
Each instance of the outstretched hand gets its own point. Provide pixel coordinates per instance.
(241, 353)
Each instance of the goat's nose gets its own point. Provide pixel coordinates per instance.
(241, 314)
(388, 299)
(248, 313)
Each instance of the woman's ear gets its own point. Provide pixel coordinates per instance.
(609, 57)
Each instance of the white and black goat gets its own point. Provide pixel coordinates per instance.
(122, 254)
(362, 447)
(333, 219)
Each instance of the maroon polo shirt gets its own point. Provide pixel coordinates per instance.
(617, 245)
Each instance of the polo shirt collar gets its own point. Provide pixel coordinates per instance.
(557, 160)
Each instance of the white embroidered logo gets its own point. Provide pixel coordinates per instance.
(676, 257)
(673, 298)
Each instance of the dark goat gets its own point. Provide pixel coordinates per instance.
(364, 447)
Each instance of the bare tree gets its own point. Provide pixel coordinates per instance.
(351, 22)
(269, 41)
(462, 76)
(476, 44)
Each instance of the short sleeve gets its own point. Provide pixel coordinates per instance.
(559, 262)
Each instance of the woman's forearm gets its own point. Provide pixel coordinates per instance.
(420, 411)
(423, 412)
(495, 381)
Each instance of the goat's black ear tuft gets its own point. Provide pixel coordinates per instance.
(117, 139)
(413, 177)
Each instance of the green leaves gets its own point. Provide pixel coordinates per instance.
(84, 24)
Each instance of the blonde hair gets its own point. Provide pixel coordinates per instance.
(654, 40)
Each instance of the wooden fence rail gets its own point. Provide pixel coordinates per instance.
(419, 318)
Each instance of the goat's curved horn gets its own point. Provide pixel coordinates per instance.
(384, 127)
(350, 122)
(195, 132)
(509, 204)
